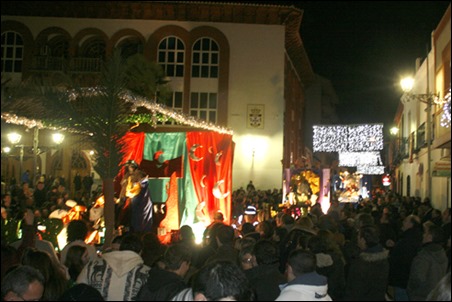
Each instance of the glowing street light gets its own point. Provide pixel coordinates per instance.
(14, 138)
(58, 138)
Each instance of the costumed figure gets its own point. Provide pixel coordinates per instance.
(135, 205)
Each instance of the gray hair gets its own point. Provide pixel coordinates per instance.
(19, 279)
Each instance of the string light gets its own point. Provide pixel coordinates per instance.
(370, 170)
(445, 116)
(354, 159)
(348, 138)
(157, 111)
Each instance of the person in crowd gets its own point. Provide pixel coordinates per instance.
(247, 258)
(118, 275)
(265, 276)
(218, 281)
(250, 187)
(429, 265)
(10, 259)
(402, 254)
(39, 195)
(77, 231)
(30, 238)
(81, 292)
(367, 279)
(10, 207)
(446, 222)
(25, 178)
(153, 249)
(87, 183)
(209, 245)
(24, 283)
(296, 238)
(187, 237)
(76, 259)
(166, 282)
(303, 282)
(441, 292)
(77, 181)
(56, 281)
(225, 237)
(330, 263)
(221, 280)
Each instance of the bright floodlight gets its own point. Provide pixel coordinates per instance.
(407, 84)
(394, 130)
(14, 137)
(58, 138)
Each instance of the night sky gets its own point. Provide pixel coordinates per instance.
(364, 48)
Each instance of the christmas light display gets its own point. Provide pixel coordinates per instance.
(158, 113)
(370, 170)
(348, 138)
(354, 159)
(445, 116)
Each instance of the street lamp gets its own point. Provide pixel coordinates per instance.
(14, 138)
(58, 138)
(429, 99)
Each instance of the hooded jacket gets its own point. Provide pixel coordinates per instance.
(117, 275)
(307, 287)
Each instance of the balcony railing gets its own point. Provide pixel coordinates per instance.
(48, 63)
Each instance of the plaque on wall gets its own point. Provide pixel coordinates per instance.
(255, 116)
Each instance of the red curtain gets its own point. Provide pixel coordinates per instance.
(132, 148)
(210, 157)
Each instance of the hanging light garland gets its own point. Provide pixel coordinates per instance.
(348, 138)
(445, 116)
(370, 170)
(354, 159)
(158, 113)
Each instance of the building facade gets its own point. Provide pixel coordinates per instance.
(420, 168)
(241, 66)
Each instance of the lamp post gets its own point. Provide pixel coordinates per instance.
(14, 138)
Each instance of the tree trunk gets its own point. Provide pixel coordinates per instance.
(109, 211)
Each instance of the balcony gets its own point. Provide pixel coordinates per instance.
(76, 65)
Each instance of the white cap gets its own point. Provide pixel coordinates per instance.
(250, 210)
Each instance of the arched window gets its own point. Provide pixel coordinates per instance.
(59, 47)
(12, 51)
(171, 56)
(94, 48)
(78, 162)
(130, 47)
(206, 58)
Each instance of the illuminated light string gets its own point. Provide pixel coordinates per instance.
(348, 138)
(11, 118)
(445, 116)
(136, 102)
(370, 170)
(354, 159)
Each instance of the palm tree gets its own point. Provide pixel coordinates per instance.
(100, 113)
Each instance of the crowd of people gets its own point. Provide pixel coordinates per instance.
(387, 247)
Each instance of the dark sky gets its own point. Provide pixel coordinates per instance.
(364, 48)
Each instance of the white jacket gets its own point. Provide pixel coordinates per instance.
(118, 275)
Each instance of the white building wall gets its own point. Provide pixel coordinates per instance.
(418, 169)
(256, 77)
